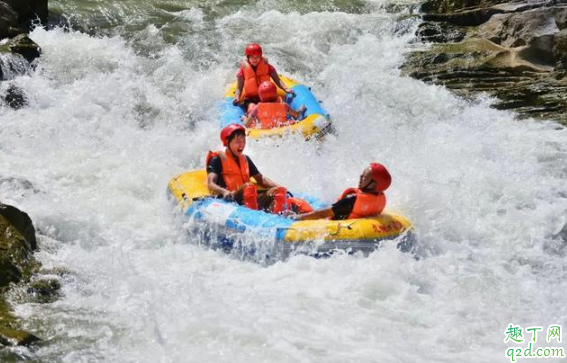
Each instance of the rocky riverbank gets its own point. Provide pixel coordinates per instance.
(516, 51)
(20, 274)
(17, 265)
(17, 50)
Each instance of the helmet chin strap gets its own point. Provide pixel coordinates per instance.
(366, 186)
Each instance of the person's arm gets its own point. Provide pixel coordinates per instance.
(214, 187)
(339, 210)
(251, 117)
(264, 182)
(239, 88)
(316, 214)
(295, 114)
(279, 82)
(248, 121)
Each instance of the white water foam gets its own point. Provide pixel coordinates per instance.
(107, 127)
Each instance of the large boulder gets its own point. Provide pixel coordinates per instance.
(533, 29)
(8, 21)
(17, 241)
(22, 222)
(39, 8)
(513, 50)
(519, 29)
(29, 9)
(15, 248)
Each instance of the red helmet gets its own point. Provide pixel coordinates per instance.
(381, 176)
(253, 49)
(229, 130)
(267, 92)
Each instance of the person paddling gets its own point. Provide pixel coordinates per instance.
(368, 200)
(254, 70)
(271, 111)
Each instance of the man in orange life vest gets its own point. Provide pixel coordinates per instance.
(229, 173)
(271, 111)
(252, 72)
(367, 200)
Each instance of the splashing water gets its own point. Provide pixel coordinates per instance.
(13, 65)
(112, 118)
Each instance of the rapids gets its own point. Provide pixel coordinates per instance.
(126, 98)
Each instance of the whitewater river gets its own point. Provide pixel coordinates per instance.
(127, 100)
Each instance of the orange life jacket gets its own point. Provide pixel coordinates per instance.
(366, 204)
(299, 205)
(234, 174)
(272, 114)
(253, 79)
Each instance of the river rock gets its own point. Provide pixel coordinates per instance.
(440, 32)
(24, 46)
(39, 8)
(29, 9)
(17, 241)
(8, 21)
(22, 222)
(514, 51)
(15, 98)
(44, 290)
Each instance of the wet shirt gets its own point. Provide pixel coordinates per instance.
(215, 166)
(343, 207)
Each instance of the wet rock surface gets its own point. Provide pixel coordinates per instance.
(17, 55)
(17, 265)
(515, 51)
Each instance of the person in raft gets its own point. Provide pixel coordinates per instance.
(271, 111)
(252, 72)
(229, 173)
(367, 200)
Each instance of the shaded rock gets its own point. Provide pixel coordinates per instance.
(440, 32)
(465, 18)
(512, 50)
(40, 9)
(17, 240)
(29, 9)
(44, 290)
(446, 6)
(21, 222)
(24, 46)
(10, 272)
(21, 7)
(8, 21)
(16, 337)
(560, 51)
(561, 18)
(15, 98)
